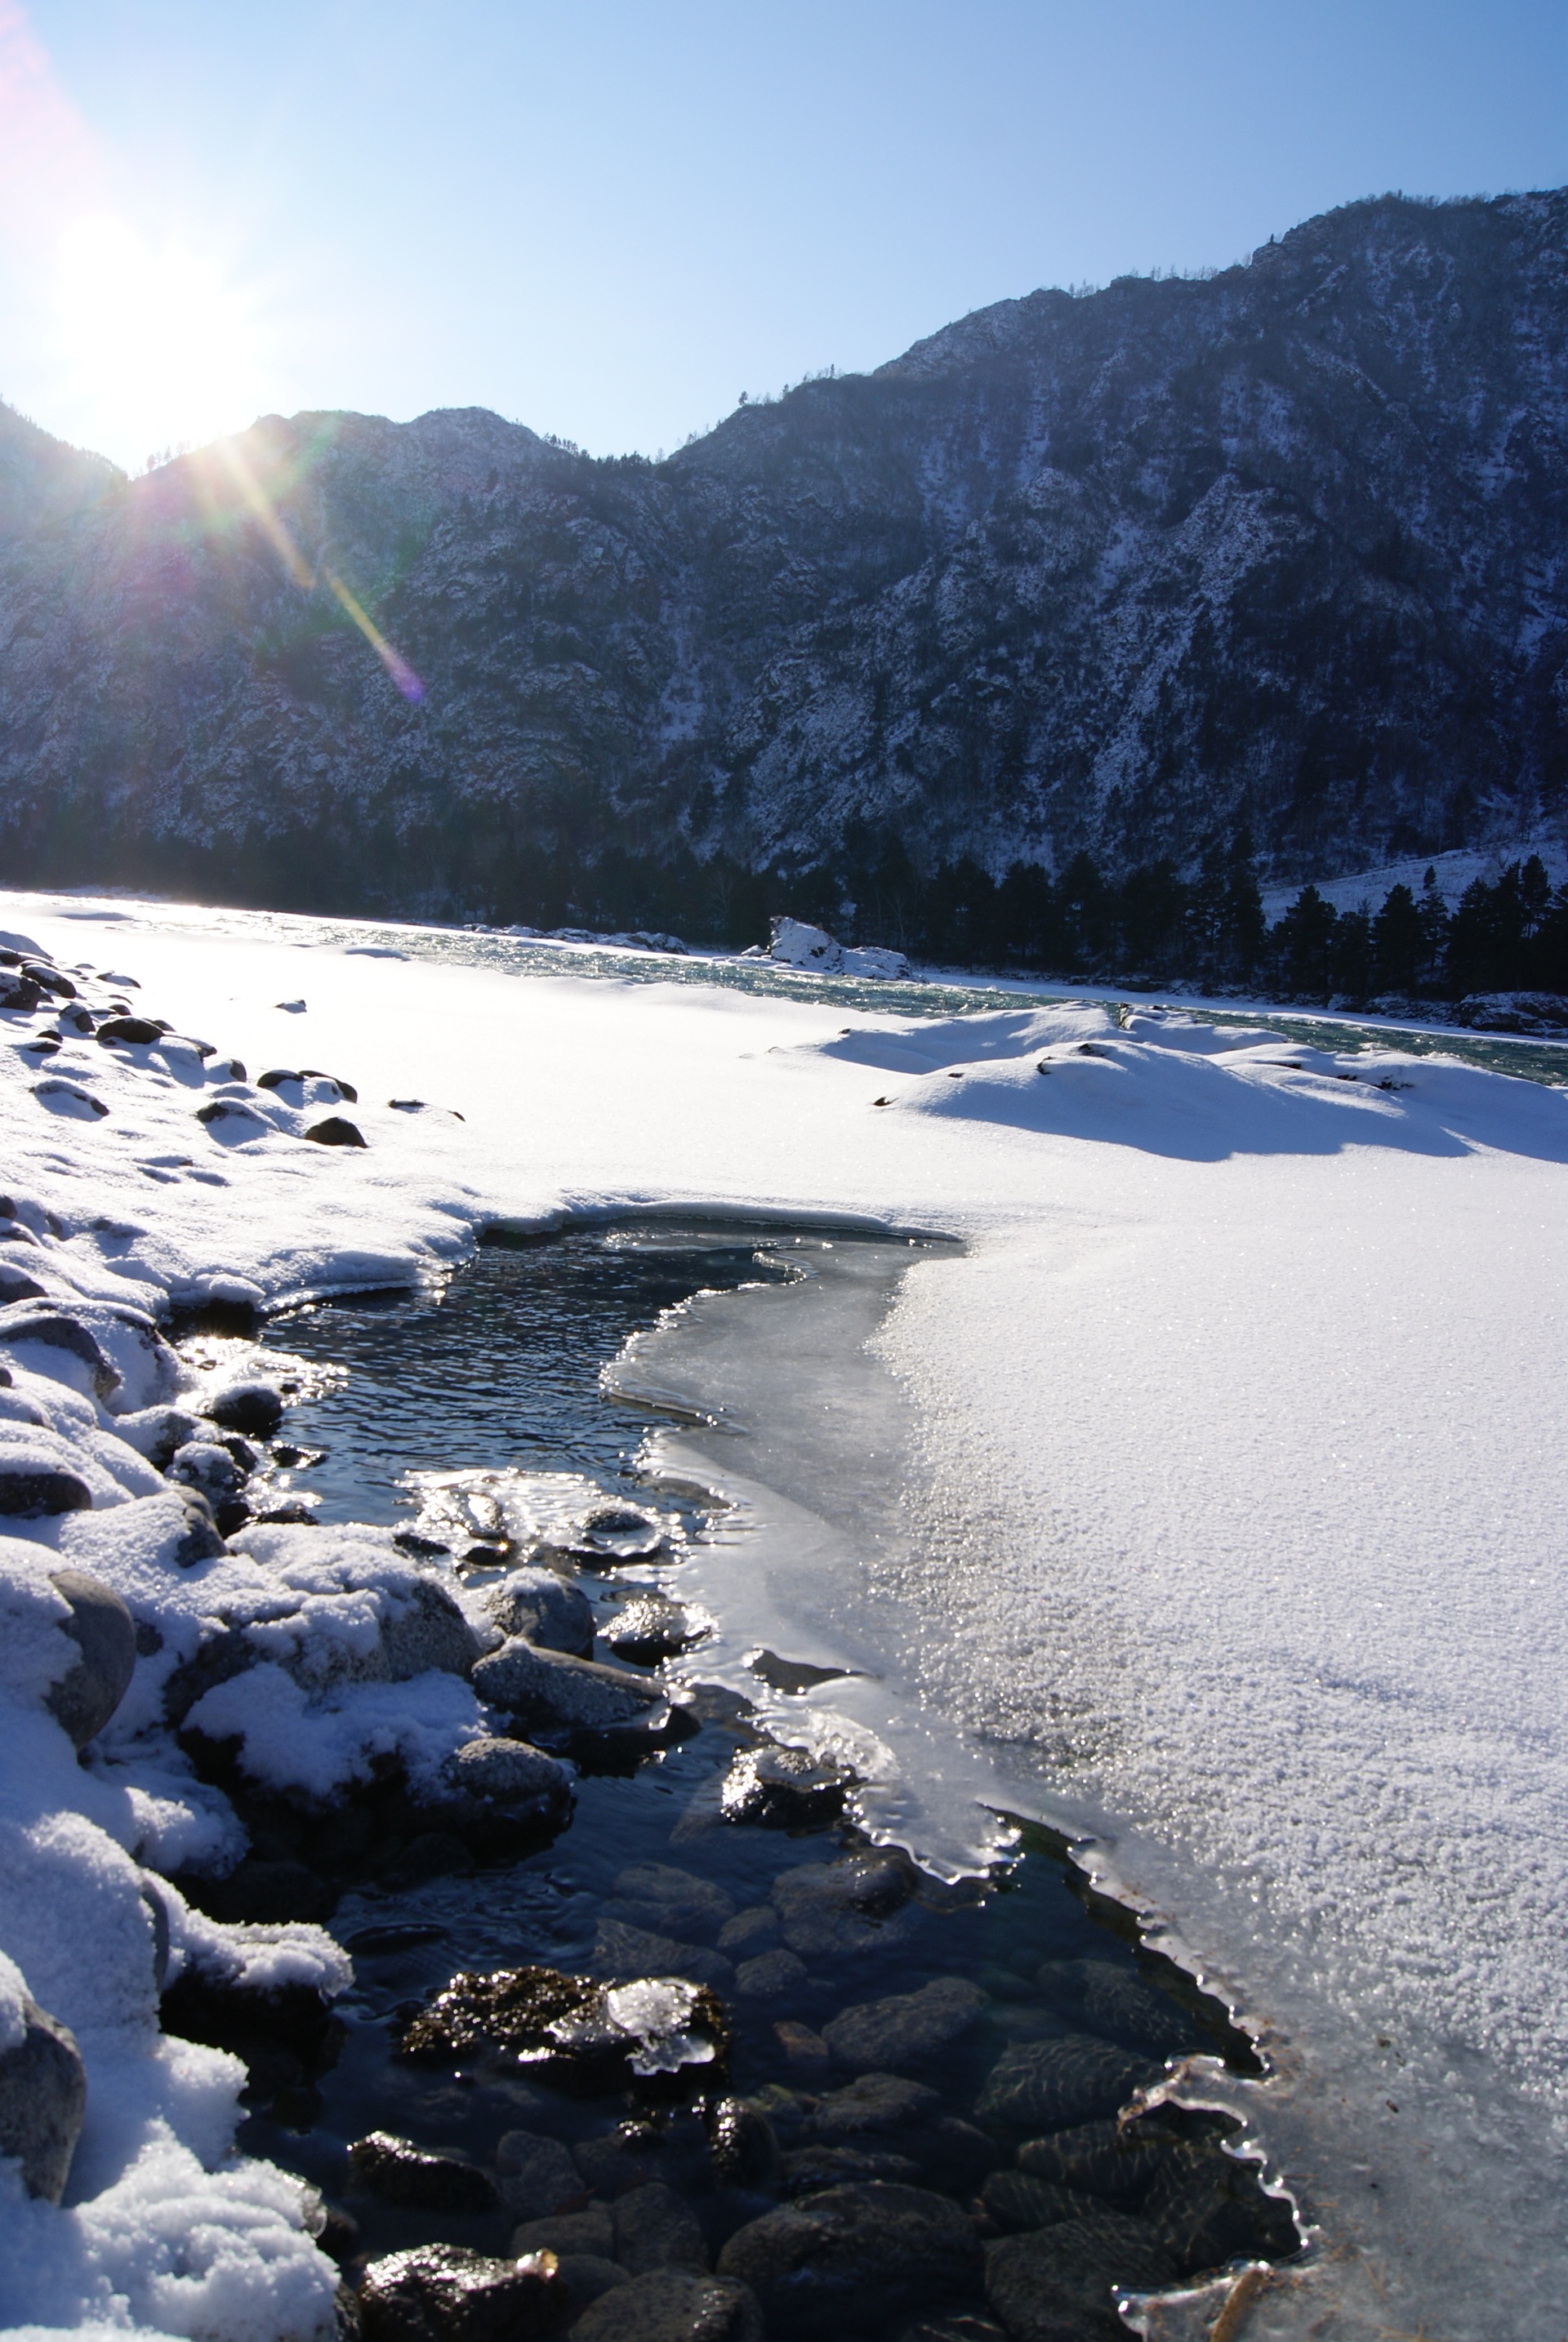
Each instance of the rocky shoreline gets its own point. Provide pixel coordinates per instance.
(777, 2082)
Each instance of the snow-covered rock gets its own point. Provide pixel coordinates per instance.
(797, 944)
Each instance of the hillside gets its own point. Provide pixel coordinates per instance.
(1280, 549)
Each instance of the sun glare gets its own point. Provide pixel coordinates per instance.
(163, 347)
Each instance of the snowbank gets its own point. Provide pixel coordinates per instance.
(1241, 1490)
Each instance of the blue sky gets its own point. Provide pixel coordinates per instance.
(608, 220)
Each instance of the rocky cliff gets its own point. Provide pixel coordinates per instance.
(1283, 549)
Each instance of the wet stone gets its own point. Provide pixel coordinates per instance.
(1048, 2084)
(1107, 1999)
(754, 1929)
(807, 2170)
(742, 2144)
(671, 1902)
(536, 2174)
(401, 2173)
(769, 1973)
(544, 1608)
(650, 1629)
(1099, 2158)
(253, 1407)
(624, 1951)
(1057, 2284)
(876, 2102)
(443, 2293)
(674, 2306)
(574, 2035)
(654, 2229)
(1014, 2200)
(551, 1692)
(784, 1789)
(586, 2276)
(855, 2259)
(838, 1908)
(105, 1633)
(907, 2028)
(591, 2230)
(1207, 2209)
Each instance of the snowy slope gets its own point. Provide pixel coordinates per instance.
(1241, 1491)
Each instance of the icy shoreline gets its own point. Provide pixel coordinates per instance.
(1210, 1242)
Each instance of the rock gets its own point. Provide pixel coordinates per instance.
(672, 2306)
(588, 2275)
(1098, 2158)
(828, 1908)
(443, 2293)
(104, 1632)
(908, 2028)
(511, 1781)
(537, 2176)
(742, 2144)
(53, 1328)
(1109, 1998)
(784, 1789)
(64, 1098)
(853, 2257)
(268, 1892)
(253, 1407)
(1049, 2085)
(42, 2098)
(30, 1490)
(140, 1032)
(555, 1693)
(545, 1609)
(807, 2170)
(654, 2229)
(672, 1902)
(275, 1077)
(591, 2230)
(427, 1630)
(401, 2173)
(15, 1284)
(336, 1131)
(1056, 2285)
(1207, 2209)
(1014, 2200)
(612, 1533)
(769, 1973)
(875, 2102)
(578, 2035)
(649, 1629)
(754, 1929)
(19, 991)
(620, 1950)
(630, 2156)
(206, 1465)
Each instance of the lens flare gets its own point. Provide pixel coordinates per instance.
(281, 538)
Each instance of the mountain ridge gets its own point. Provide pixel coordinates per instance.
(1274, 550)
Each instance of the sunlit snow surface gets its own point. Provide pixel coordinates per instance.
(1226, 1502)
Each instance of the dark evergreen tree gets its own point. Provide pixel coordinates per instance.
(1304, 944)
(1398, 944)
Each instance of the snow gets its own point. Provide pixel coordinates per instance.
(1231, 1524)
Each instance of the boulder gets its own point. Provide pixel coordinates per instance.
(510, 1782)
(829, 1910)
(443, 2293)
(578, 2035)
(401, 2173)
(1050, 2084)
(907, 2029)
(253, 1407)
(31, 1488)
(425, 1629)
(1096, 2158)
(650, 1629)
(1058, 2284)
(545, 1609)
(876, 2102)
(591, 2230)
(672, 2306)
(855, 2257)
(670, 1901)
(620, 1950)
(654, 2229)
(537, 2176)
(138, 1032)
(55, 1328)
(337, 1130)
(769, 1973)
(42, 2098)
(742, 2144)
(552, 1692)
(105, 1633)
(784, 1789)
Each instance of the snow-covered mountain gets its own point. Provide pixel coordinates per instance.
(1281, 547)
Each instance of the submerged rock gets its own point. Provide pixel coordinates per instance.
(876, 2102)
(1099, 2158)
(620, 1950)
(655, 2230)
(828, 1908)
(552, 1692)
(42, 2099)
(443, 2293)
(1057, 2284)
(104, 1632)
(674, 2306)
(907, 2028)
(855, 2257)
(1048, 2084)
(401, 2173)
(537, 2176)
(577, 2035)
(670, 1901)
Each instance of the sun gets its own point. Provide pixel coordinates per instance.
(163, 345)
